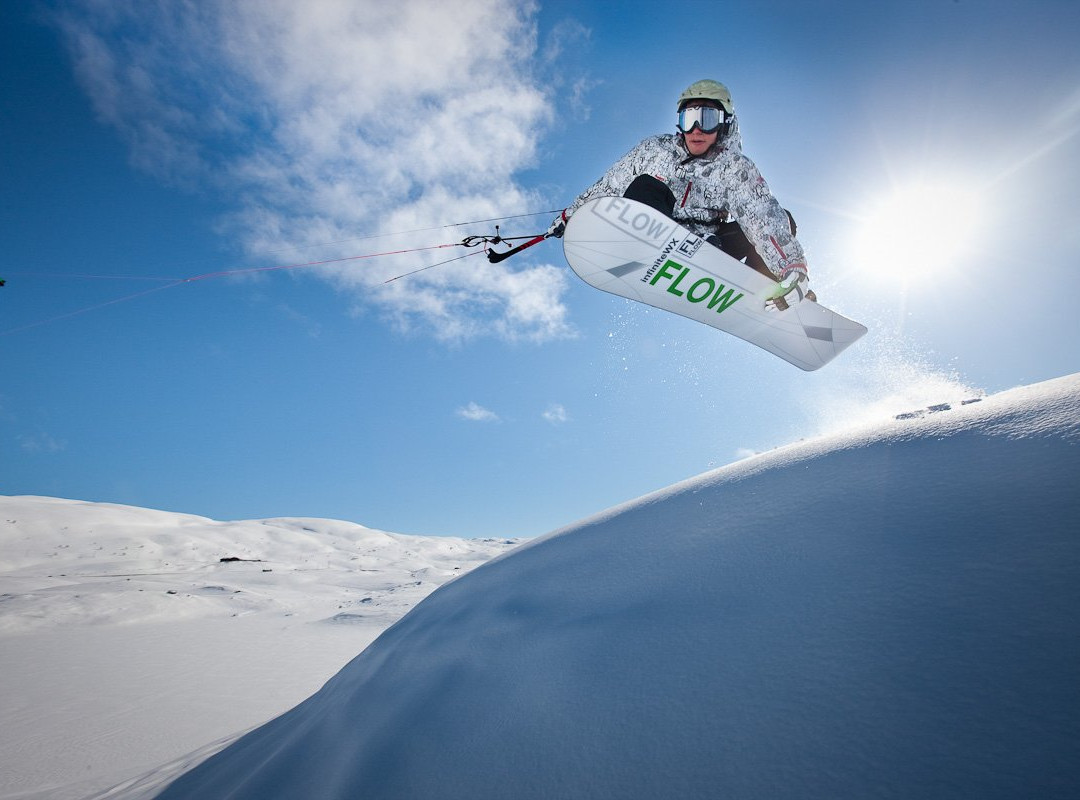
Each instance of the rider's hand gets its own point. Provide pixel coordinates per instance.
(791, 289)
(557, 227)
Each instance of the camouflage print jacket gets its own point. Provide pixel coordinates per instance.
(722, 184)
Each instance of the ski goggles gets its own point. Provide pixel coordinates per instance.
(707, 118)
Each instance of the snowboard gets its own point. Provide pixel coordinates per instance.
(631, 250)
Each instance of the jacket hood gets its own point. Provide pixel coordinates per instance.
(733, 141)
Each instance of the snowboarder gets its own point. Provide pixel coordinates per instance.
(700, 177)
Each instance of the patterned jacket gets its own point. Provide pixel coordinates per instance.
(722, 184)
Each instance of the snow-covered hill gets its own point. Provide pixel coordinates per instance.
(129, 636)
(889, 612)
(108, 564)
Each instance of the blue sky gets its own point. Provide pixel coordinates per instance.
(143, 143)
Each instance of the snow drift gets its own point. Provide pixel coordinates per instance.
(888, 612)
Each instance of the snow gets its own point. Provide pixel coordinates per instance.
(885, 611)
(126, 642)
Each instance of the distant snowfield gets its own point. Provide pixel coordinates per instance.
(888, 611)
(126, 641)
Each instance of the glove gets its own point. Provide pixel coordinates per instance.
(791, 289)
(557, 227)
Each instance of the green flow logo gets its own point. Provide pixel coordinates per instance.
(703, 290)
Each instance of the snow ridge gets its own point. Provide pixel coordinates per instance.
(884, 612)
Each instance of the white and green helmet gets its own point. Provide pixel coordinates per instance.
(708, 90)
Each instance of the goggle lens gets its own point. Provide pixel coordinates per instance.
(707, 118)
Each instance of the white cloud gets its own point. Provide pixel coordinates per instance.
(555, 414)
(477, 413)
(331, 120)
(41, 443)
(568, 38)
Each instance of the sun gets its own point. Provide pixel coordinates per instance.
(919, 231)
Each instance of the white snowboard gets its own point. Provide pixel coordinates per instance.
(631, 250)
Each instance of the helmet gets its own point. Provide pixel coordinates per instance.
(708, 90)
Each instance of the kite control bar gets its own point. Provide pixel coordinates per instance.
(495, 257)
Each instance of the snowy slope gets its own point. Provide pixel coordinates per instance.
(890, 612)
(126, 640)
(108, 563)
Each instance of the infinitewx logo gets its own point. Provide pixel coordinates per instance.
(703, 290)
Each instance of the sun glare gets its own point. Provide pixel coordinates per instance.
(918, 232)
